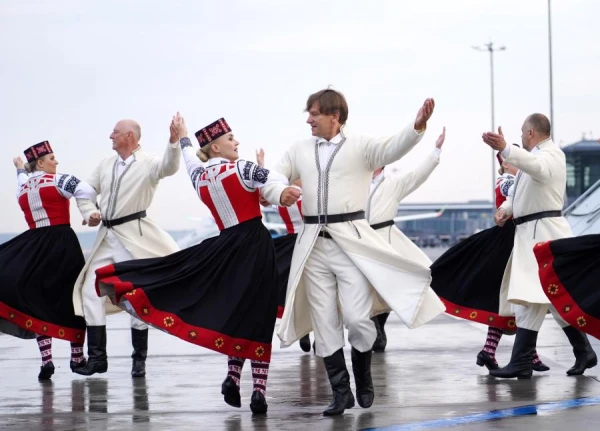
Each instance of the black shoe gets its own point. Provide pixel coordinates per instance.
(381, 340)
(361, 368)
(46, 371)
(75, 365)
(520, 365)
(585, 357)
(258, 404)
(139, 341)
(231, 392)
(305, 343)
(540, 366)
(340, 384)
(483, 358)
(97, 361)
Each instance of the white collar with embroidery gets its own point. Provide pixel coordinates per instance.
(217, 161)
(335, 140)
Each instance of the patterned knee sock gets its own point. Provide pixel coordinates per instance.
(235, 366)
(491, 343)
(77, 352)
(260, 374)
(45, 346)
(536, 358)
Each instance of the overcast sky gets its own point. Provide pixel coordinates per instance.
(72, 69)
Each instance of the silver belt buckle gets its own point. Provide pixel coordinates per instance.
(324, 222)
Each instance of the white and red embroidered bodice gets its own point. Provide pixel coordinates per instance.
(44, 198)
(228, 189)
(292, 217)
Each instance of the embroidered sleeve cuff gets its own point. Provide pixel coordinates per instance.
(21, 171)
(184, 142)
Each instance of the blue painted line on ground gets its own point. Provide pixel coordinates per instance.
(533, 409)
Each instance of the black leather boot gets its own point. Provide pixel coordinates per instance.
(305, 343)
(46, 371)
(585, 357)
(258, 403)
(97, 361)
(139, 341)
(483, 358)
(381, 340)
(231, 392)
(520, 365)
(361, 368)
(340, 384)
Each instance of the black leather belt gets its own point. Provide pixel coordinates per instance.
(536, 216)
(334, 218)
(383, 224)
(136, 216)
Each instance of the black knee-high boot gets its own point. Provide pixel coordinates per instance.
(361, 367)
(520, 365)
(339, 378)
(381, 340)
(139, 341)
(585, 357)
(97, 361)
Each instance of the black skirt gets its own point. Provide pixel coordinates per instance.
(284, 250)
(468, 276)
(570, 275)
(220, 294)
(38, 270)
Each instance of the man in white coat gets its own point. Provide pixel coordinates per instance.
(338, 257)
(126, 183)
(387, 191)
(536, 207)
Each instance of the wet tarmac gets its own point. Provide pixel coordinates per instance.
(426, 379)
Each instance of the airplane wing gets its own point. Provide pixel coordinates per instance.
(419, 216)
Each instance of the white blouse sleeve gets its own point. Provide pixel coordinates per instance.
(193, 165)
(255, 176)
(69, 186)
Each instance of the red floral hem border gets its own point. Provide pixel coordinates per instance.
(41, 327)
(558, 294)
(480, 316)
(120, 291)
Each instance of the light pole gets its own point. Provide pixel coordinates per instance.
(490, 48)
(550, 61)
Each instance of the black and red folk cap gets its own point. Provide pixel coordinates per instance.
(212, 132)
(38, 150)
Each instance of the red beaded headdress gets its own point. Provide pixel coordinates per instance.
(213, 131)
(38, 150)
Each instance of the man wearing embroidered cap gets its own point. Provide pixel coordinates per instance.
(126, 183)
(338, 256)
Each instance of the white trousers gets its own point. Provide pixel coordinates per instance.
(532, 316)
(110, 251)
(335, 287)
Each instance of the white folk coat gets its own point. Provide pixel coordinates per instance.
(133, 193)
(540, 186)
(400, 283)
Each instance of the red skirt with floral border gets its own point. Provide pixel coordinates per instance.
(220, 294)
(569, 271)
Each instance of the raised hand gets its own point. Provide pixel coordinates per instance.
(424, 114)
(173, 131)
(441, 139)
(19, 163)
(495, 140)
(260, 158)
(180, 126)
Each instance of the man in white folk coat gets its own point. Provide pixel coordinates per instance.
(387, 191)
(126, 183)
(338, 257)
(536, 207)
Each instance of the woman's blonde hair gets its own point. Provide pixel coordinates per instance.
(32, 166)
(204, 153)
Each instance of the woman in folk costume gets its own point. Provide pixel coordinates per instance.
(387, 191)
(468, 276)
(222, 293)
(39, 267)
(284, 246)
(569, 271)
